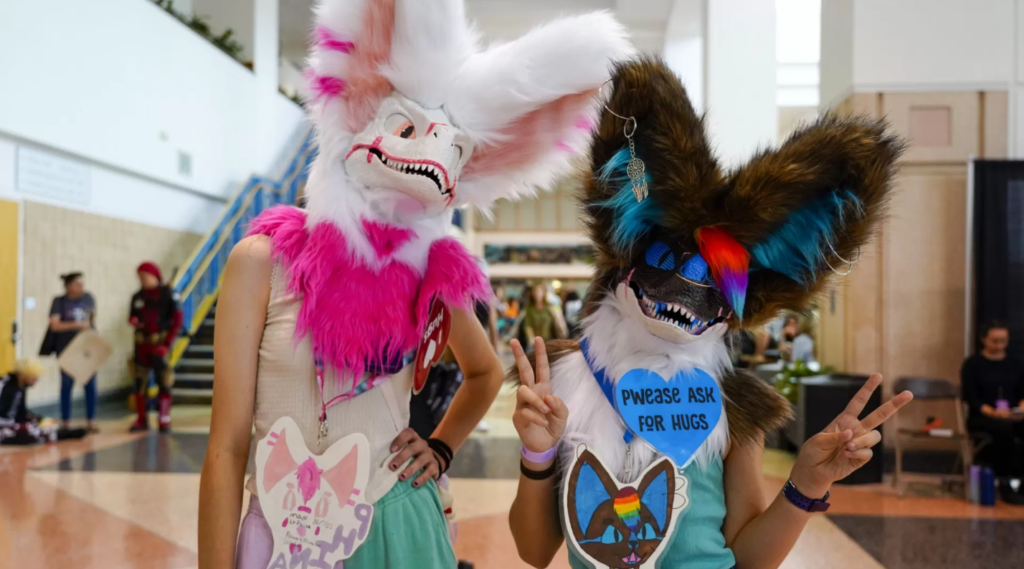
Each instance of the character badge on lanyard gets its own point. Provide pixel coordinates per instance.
(315, 505)
(616, 525)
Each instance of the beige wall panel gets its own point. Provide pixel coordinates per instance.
(863, 318)
(995, 135)
(107, 250)
(941, 127)
(924, 274)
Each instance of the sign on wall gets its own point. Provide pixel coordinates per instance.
(47, 175)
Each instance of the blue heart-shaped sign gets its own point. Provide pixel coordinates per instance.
(674, 416)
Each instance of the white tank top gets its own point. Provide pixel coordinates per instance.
(286, 386)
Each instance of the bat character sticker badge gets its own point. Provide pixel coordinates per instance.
(622, 526)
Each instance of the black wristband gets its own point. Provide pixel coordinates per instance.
(443, 451)
(538, 474)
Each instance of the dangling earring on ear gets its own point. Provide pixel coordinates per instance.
(850, 263)
(636, 168)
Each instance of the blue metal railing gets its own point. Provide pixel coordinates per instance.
(198, 282)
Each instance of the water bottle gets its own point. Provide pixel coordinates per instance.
(974, 484)
(988, 487)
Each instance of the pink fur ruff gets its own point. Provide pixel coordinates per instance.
(358, 315)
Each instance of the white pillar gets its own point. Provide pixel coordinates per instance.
(684, 47)
(741, 81)
(265, 63)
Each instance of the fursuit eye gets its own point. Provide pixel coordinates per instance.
(401, 126)
(611, 535)
(695, 269)
(660, 256)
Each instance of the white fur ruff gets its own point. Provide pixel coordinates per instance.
(618, 344)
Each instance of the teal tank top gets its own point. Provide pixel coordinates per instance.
(698, 542)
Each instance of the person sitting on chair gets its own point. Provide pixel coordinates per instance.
(993, 387)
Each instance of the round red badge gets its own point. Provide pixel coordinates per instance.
(432, 343)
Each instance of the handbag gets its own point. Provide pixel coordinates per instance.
(49, 345)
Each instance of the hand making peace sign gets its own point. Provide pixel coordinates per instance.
(539, 417)
(845, 445)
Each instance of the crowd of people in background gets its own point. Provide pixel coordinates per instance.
(156, 321)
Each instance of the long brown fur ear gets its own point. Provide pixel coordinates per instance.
(804, 210)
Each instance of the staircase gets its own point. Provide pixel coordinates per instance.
(198, 282)
(193, 374)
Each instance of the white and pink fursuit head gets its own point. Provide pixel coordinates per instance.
(414, 118)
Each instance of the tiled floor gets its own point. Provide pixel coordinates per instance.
(118, 500)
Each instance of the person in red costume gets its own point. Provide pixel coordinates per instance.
(156, 319)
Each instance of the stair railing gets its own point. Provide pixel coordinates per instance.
(198, 282)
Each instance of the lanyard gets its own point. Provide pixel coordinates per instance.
(606, 385)
(375, 376)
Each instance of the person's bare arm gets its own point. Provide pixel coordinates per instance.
(762, 538)
(241, 315)
(540, 418)
(482, 372)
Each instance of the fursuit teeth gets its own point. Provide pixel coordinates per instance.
(673, 313)
(360, 317)
(729, 262)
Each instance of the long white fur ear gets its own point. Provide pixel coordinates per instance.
(431, 41)
(351, 43)
(530, 105)
(505, 82)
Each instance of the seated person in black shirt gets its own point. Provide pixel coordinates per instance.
(993, 385)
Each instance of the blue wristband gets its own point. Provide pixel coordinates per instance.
(803, 502)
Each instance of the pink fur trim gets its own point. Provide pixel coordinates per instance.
(357, 315)
(530, 136)
(325, 86)
(309, 479)
(386, 239)
(327, 40)
(366, 86)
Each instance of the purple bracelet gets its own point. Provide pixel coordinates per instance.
(539, 457)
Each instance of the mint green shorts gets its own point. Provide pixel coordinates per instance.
(409, 531)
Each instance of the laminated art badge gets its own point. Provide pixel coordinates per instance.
(622, 526)
(315, 505)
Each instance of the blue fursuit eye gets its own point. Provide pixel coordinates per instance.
(660, 256)
(695, 269)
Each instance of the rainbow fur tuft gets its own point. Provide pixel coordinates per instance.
(797, 247)
(632, 219)
(729, 262)
(627, 507)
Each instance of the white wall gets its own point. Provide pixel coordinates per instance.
(120, 83)
(943, 43)
(684, 47)
(836, 64)
(740, 72)
(124, 196)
